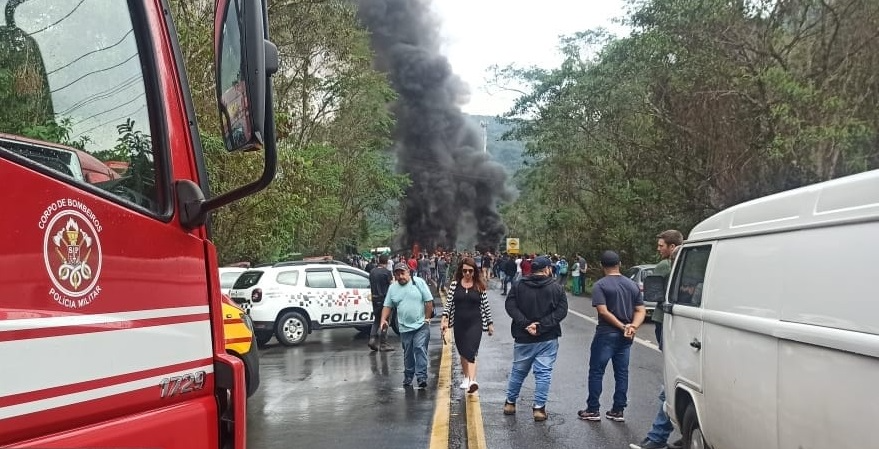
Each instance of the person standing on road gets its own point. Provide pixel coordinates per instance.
(468, 313)
(380, 279)
(563, 271)
(441, 271)
(667, 244)
(537, 305)
(620, 312)
(584, 270)
(575, 277)
(509, 269)
(411, 297)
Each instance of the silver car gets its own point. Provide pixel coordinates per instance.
(638, 273)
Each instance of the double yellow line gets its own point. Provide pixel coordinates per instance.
(439, 438)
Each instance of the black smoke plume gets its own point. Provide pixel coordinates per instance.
(455, 187)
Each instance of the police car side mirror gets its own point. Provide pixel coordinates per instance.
(654, 289)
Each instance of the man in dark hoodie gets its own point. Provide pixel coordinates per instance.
(537, 304)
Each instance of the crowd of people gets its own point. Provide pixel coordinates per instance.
(534, 287)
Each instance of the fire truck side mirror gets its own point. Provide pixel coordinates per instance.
(245, 60)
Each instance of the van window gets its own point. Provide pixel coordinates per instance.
(319, 279)
(287, 277)
(247, 279)
(689, 278)
(352, 279)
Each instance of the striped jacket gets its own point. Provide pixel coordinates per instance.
(449, 308)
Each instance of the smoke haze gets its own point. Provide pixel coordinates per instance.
(455, 187)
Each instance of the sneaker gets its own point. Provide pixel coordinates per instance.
(465, 384)
(679, 444)
(384, 347)
(539, 413)
(586, 415)
(373, 343)
(422, 384)
(407, 382)
(473, 387)
(615, 415)
(509, 408)
(647, 444)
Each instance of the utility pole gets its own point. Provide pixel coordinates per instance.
(484, 136)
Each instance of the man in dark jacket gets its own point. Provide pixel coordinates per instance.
(509, 268)
(380, 279)
(537, 304)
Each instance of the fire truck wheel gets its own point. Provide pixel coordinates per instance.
(262, 338)
(292, 329)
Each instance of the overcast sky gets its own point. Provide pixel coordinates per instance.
(480, 33)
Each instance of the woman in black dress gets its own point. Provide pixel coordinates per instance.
(468, 313)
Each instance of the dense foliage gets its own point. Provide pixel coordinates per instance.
(333, 130)
(705, 105)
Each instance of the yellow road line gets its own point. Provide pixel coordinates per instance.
(475, 427)
(439, 436)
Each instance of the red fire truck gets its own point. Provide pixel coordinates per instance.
(111, 331)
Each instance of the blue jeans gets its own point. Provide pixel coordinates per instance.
(662, 426)
(537, 356)
(507, 282)
(606, 347)
(415, 353)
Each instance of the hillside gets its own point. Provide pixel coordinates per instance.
(509, 153)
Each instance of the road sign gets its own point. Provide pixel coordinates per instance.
(512, 246)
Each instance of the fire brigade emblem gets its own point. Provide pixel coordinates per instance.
(72, 253)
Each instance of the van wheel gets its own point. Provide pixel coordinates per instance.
(693, 438)
(292, 329)
(262, 338)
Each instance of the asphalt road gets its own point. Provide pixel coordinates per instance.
(332, 392)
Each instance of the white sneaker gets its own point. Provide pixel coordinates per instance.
(465, 384)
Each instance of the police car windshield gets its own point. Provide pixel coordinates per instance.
(247, 279)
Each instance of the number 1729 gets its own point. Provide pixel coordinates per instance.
(186, 383)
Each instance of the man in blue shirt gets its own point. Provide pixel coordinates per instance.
(617, 300)
(414, 303)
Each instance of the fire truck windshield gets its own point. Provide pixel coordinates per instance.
(67, 81)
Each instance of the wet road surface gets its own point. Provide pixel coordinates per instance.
(563, 429)
(332, 392)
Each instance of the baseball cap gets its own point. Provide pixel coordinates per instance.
(610, 259)
(401, 266)
(540, 263)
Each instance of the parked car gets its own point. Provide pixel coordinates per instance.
(228, 276)
(238, 335)
(289, 300)
(639, 273)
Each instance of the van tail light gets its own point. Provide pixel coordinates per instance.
(256, 296)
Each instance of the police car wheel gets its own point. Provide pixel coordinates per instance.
(292, 329)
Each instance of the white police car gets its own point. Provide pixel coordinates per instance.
(289, 300)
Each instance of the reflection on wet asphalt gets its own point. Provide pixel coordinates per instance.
(333, 392)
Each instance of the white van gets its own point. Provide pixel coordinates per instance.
(772, 322)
